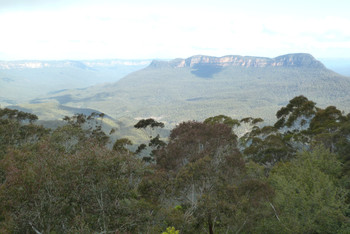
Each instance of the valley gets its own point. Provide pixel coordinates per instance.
(203, 86)
(21, 81)
(169, 91)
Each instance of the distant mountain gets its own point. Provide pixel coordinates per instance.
(21, 81)
(203, 86)
(84, 64)
(198, 61)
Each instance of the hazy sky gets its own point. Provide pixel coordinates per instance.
(140, 29)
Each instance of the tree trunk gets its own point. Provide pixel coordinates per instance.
(210, 224)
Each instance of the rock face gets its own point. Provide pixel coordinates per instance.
(289, 60)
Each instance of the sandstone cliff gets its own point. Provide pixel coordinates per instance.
(289, 60)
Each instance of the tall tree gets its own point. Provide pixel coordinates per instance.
(148, 126)
(209, 179)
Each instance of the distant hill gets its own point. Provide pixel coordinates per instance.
(21, 81)
(203, 86)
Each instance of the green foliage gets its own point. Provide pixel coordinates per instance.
(178, 207)
(17, 115)
(17, 128)
(171, 230)
(89, 125)
(86, 190)
(120, 145)
(206, 177)
(151, 123)
(300, 125)
(192, 140)
(266, 145)
(223, 119)
(154, 142)
(140, 148)
(298, 108)
(292, 178)
(308, 197)
(251, 120)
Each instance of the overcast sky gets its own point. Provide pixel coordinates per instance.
(148, 29)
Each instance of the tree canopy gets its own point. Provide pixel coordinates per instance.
(221, 175)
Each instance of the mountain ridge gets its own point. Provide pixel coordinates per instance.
(202, 89)
(85, 64)
(288, 60)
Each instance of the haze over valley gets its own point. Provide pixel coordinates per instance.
(22, 81)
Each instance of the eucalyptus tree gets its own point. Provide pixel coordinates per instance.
(149, 126)
(206, 180)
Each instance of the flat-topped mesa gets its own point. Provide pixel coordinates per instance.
(289, 60)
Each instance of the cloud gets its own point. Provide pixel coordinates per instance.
(6, 5)
(161, 31)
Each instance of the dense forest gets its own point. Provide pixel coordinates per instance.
(222, 175)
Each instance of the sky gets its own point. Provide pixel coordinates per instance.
(161, 29)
